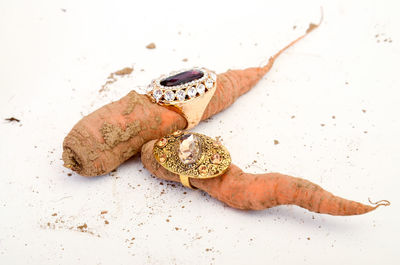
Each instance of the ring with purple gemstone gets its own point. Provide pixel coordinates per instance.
(191, 155)
(187, 92)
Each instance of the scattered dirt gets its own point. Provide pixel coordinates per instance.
(12, 119)
(82, 228)
(112, 77)
(124, 71)
(151, 46)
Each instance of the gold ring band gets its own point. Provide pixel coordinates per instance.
(191, 155)
(187, 92)
(186, 182)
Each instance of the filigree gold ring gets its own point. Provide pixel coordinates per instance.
(187, 92)
(191, 155)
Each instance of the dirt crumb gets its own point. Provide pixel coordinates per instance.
(276, 142)
(13, 119)
(82, 228)
(69, 174)
(293, 117)
(308, 238)
(322, 124)
(184, 59)
(103, 212)
(54, 214)
(106, 222)
(151, 46)
(124, 71)
(364, 111)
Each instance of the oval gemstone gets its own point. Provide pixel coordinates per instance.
(182, 78)
(189, 148)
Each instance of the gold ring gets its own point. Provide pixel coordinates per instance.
(187, 92)
(191, 155)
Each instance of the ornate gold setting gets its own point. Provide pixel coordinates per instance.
(213, 160)
(189, 99)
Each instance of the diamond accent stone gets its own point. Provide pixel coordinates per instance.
(203, 169)
(209, 83)
(213, 76)
(192, 92)
(149, 88)
(189, 148)
(216, 159)
(181, 94)
(201, 89)
(157, 94)
(169, 95)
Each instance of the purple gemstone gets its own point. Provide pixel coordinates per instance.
(182, 78)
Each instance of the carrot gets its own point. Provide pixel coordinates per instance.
(261, 191)
(104, 139)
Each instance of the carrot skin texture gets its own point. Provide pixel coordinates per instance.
(247, 191)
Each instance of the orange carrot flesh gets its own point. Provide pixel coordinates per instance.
(262, 191)
(106, 138)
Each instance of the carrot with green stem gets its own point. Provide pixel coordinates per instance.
(104, 139)
(247, 191)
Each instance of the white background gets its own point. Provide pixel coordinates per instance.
(56, 55)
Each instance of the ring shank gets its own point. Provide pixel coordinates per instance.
(186, 182)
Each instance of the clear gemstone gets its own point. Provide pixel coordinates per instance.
(213, 76)
(157, 94)
(201, 89)
(181, 94)
(149, 88)
(192, 92)
(189, 148)
(169, 95)
(209, 83)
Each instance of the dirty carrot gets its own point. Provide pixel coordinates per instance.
(261, 191)
(104, 139)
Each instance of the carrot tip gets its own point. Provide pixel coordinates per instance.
(379, 203)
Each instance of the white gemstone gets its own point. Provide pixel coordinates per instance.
(181, 94)
(209, 83)
(157, 94)
(149, 88)
(192, 92)
(201, 89)
(189, 148)
(213, 76)
(169, 95)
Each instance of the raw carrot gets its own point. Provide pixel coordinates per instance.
(261, 191)
(104, 139)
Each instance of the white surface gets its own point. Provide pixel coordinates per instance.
(53, 64)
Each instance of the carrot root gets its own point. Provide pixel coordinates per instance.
(262, 191)
(104, 139)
